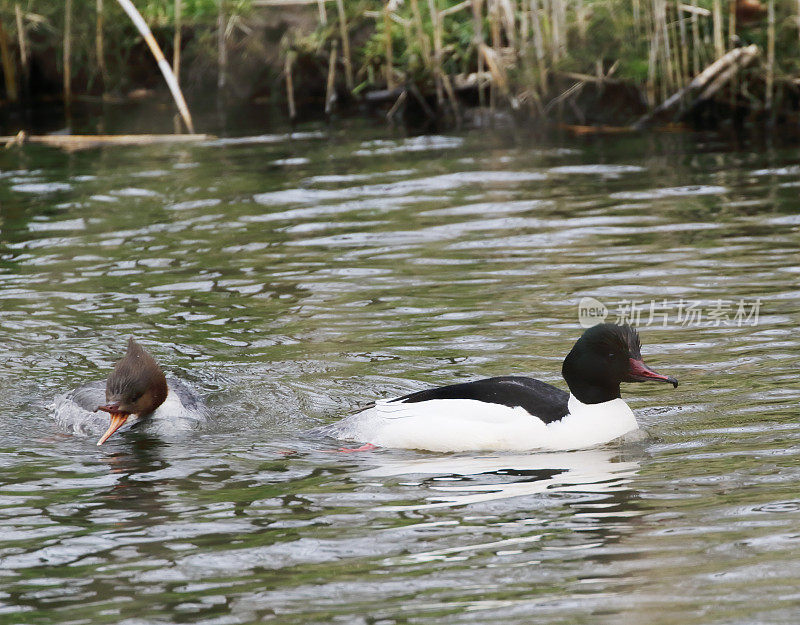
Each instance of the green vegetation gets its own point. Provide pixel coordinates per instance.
(531, 54)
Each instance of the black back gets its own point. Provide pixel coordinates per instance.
(540, 399)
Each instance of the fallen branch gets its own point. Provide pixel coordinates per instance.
(85, 142)
(706, 83)
(166, 70)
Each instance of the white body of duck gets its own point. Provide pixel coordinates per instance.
(467, 424)
(516, 413)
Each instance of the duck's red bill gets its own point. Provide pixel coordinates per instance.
(640, 372)
(118, 419)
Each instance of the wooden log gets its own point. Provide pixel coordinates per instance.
(85, 142)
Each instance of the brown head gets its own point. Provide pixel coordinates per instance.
(136, 386)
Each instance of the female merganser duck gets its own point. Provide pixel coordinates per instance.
(513, 412)
(135, 388)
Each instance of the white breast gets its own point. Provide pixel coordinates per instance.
(467, 424)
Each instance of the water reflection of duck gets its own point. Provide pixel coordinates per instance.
(135, 388)
(513, 412)
(497, 477)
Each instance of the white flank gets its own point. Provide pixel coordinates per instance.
(468, 424)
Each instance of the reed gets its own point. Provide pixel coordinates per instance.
(176, 40)
(67, 52)
(22, 42)
(288, 67)
(8, 65)
(770, 77)
(222, 56)
(530, 51)
(345, 35)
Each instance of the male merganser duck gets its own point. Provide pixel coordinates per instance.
(514, 412)
(135, 388)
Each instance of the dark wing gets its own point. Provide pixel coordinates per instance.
(540, 399)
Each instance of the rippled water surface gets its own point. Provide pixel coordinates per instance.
(292, 280)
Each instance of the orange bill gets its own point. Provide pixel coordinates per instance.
(118, 419)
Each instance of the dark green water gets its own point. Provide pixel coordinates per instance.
(294, 280)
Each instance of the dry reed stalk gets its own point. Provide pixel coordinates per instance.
(507, 17)
(494, 29)
(696, 41)
(442, 79)
(684, 44)
(437, 53)
(99, 43)
(580, 18)
(495, 67)
(345, 36)
(323, 15)
(555, 31)
(176, 41)
(287, 70)
(330, 86)
(538, 44)
(422, 38)
(547, 27)
(222, 48)
(22, 39)
(719, 45)
(669, 83)
(477, 25)
(637, 16)
(770, 79)
(67, 51)
(396, 106)
(494, 25)
(650, 86)
(169, 77)
(387, 29)
(560, 28)
(8, 65)
(732, 44)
